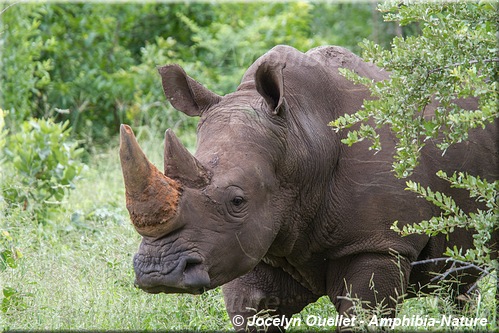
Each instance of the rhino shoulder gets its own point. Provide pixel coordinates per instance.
(334, 57)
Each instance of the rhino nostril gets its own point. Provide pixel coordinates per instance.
(195, 277)
(189, 267)
(191, 263)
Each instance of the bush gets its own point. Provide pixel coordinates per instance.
(95, 64)
(454, 57)
(46, 161)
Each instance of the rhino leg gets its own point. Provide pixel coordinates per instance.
(371, 278)
(264, 290)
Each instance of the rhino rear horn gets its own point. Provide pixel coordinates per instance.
(181, 165)
(151, 197)
(184, 93)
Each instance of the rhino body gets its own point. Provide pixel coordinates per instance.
(274, 207)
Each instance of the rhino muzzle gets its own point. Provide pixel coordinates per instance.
(186, 276)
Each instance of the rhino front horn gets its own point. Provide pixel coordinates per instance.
(151, 197)
(181, 165)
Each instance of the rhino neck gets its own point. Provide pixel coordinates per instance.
(307, 275)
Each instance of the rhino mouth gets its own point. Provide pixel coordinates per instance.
(188, 276)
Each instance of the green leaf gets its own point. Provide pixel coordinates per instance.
(9, 292)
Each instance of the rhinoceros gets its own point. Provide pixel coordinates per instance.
(274, 207)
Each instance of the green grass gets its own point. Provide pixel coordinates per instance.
(76, 272)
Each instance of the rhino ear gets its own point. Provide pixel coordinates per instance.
(269, 80)
(184, 93)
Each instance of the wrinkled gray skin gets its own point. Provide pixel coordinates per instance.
(283, 212)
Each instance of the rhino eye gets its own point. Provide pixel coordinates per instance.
(237, 201)
(236, 204)
(237, 207)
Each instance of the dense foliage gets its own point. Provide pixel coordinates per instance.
(95, 64)
(46, 162)
(455, 57)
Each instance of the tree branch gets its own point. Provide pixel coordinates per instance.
(453, 268)
(431, 71)
(12, 4)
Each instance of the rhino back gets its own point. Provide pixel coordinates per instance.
(334, 57)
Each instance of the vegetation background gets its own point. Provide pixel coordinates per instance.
(70, 74)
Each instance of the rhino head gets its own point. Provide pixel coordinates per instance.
(210, 217)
